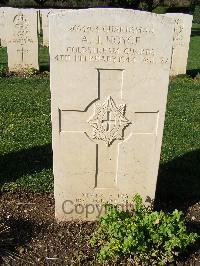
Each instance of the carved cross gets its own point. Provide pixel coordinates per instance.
(22, 51)
(105, 127)
(109, 122)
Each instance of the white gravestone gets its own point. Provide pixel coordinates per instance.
(45, 25)
(109, 84)
(39, 21)
(22, 40)
(182, 31)
(45, 13)
(2, 27)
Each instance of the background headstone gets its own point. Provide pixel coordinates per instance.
(109, 84)
(39, 21)
(22, 39)
(2, 27)
(182, 31)
(45, 26)
(45, 13)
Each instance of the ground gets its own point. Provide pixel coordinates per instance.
(26, 178)
(39, 240)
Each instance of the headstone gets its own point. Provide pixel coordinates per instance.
(183, 25)
(45, 25)
(109, 85)
(2, 27)
(39, 21)
(45, 13)
(22, 39)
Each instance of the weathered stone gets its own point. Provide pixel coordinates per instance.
(39, 21)
(22, 39)
(183, 25)
(45, 26)
(2, 27)
(109, 84)
(45, 13)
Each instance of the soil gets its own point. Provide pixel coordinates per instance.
(36, 238)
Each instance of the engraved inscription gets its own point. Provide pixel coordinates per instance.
(111, 29)
(178, 33)
(20, 21)
(100, 199)
(109, 121)
(21, 25)
(2, 18)
(111, 44)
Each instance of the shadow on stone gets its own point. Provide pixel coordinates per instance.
(178, 184)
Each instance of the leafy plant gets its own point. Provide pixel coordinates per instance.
(125, 3)
(148, 237)
(30, 72)
(41, 2)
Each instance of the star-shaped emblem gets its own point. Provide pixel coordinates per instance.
(109, 121)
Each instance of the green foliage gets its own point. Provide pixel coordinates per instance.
(3, 57)
(21, 3)
(29, 72)
(193, 64)
(41, 2)
(197, 78)
(3, 71)
(77, 3)
(149, 237)
(148, 4)
(125, 3)
(196, 15)
(160, 10)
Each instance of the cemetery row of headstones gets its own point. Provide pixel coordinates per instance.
(20, 28)
(19, 32)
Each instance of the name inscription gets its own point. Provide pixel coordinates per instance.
(110, 44)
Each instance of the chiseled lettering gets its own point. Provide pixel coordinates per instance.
(122, 40)
(112, 29)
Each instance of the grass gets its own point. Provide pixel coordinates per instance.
(25, 139)
(3, 57)
(25, 150)
(193, 66)
(178, 179)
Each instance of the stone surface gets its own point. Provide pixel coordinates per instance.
(109, 84)
(45, 13)
(45, 25)
(22, 39)
(39, 20)
(2, 27)
(183, 25)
